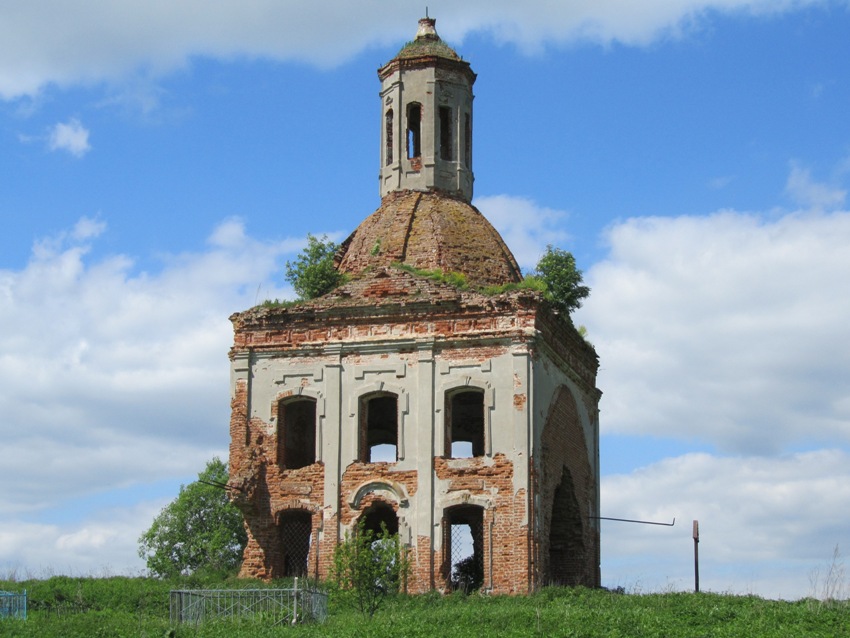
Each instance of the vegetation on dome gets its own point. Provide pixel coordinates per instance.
(427, 47)
(454, 279)
(556, 276)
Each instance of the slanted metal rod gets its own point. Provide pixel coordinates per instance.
(223, 486)
(629, 520)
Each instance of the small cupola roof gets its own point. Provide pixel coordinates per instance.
(427, 44)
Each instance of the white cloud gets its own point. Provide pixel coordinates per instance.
(72, 137)
(731, 329)
(112, 381)
(110, 378)
(105, 544)
(765, 524)
(44, 42)
(808, 193)
(88, 228)
(526, 227)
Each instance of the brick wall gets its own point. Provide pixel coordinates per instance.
(460, 330)
(568, 543)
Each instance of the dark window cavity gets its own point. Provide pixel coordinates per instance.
(467, 141)
(380, 516)
(446, 141)
(296, 434)
(389, 137)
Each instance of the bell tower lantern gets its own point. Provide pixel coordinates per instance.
(426, 115)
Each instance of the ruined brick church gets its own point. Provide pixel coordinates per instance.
(465, 421)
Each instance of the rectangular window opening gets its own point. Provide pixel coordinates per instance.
(296, 434)
(414, 130)
(446, 138)
(379, 429)
(465, 424)
(389, 137)
(467, 141)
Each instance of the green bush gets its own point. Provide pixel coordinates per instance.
(368, 568)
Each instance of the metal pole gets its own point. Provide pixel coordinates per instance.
(696, 556)
(295, 603)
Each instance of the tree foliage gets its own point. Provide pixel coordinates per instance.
(367, 568)
(200, 530)
(313, 273)
(557, 268)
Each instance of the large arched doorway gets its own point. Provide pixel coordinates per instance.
(566, 536)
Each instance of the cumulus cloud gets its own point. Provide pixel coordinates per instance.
(103, 545)
(112, 380)
(111, 377)
(765, 524)
(526, 227)
(730, 329)
(72, 137)
(43, 42)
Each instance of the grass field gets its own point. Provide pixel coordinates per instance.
(138, 607)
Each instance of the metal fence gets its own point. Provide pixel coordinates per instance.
(276, 606)
(13, 605)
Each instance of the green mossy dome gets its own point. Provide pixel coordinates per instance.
(427, 44)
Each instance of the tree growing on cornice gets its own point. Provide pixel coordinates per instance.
(564, 285)
(313, 274)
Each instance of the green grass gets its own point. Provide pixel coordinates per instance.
(138, 607)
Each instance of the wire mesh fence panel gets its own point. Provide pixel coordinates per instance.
(13, 604)
(275, 606)
(296, 535)
(467, 556)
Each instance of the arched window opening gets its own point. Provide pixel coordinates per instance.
(465, 423)
(296, 433)
(389, 137)
(379, 428)
(295, 534)
(414, 130)
(463, 543)
(378, 516)
(446, 137)
(566, 538)
(467, 140)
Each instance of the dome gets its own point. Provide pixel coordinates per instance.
(430, 231)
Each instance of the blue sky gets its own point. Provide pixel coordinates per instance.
(160, 163)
